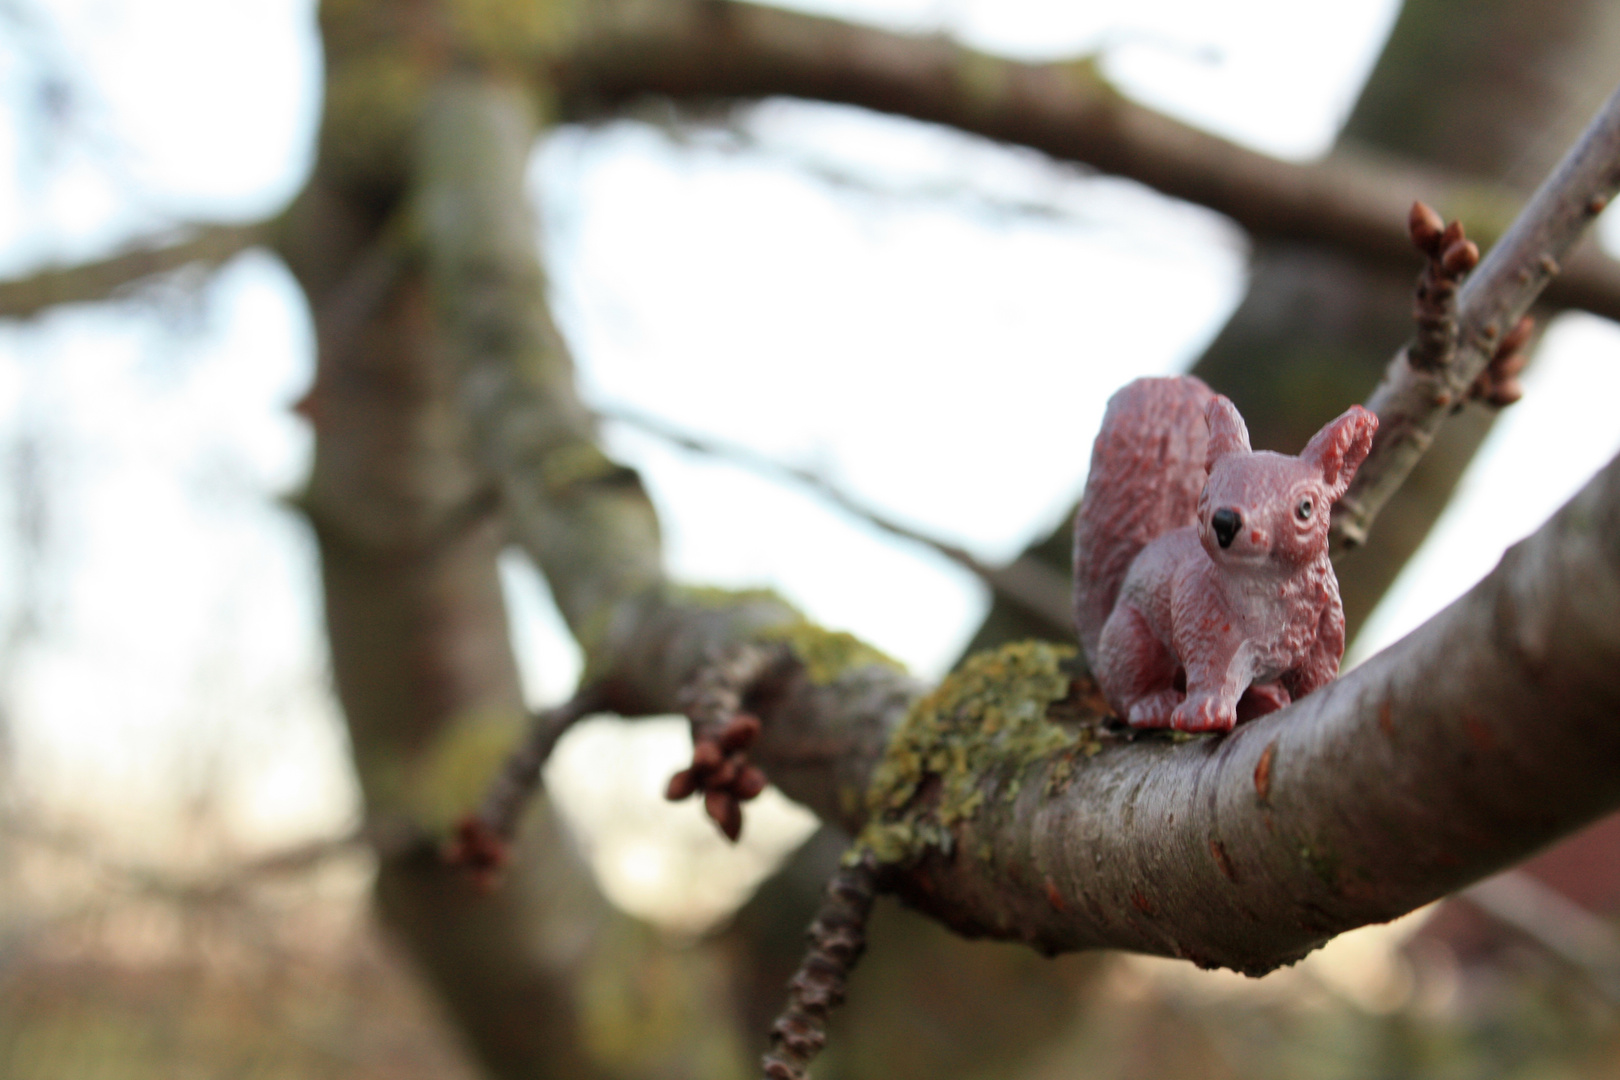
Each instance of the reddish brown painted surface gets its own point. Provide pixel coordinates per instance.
(1198, 611)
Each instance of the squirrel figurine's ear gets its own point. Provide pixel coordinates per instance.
(1227, 432)
(1340, 448)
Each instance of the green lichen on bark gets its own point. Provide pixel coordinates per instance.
(979, 731)
(433, 785)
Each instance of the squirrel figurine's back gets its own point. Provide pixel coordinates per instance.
(1203, 593)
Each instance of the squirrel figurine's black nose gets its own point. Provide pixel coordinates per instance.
(1226, 524)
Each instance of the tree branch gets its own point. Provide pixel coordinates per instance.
(211, 244)
(1414, 399)
(1484, 735)
(837, 938)
(708, 49)
(1026, 582)
(585, 520)
(1480, 737)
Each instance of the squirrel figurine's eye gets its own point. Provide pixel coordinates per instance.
(1303, 510)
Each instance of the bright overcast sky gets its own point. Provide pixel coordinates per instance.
(931, 320)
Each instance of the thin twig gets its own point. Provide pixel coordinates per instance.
(837, 939)
(1411, 402)
(221, 883)
(100, 279)
(483, 838)
(1026, 582)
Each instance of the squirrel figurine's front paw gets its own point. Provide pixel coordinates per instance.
(1205, 712)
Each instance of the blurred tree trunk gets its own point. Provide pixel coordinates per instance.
(1497, 93)
(543, 976)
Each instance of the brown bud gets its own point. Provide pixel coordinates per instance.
(681, 785)
(1453, 233)
(1425, 227)
(1517, 336)
(1506, 393)
(706, 755)
(725, 774)
(1505, 367)
(749, 783)
(479, 849)
(723, 808)
(740, 732)
(1460, 257)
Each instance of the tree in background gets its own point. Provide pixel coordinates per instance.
(448, 426)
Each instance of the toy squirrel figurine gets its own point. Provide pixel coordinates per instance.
(1203, 593)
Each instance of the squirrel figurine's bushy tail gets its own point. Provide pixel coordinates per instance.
(1147, 471)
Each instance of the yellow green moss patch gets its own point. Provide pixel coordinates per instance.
(987, 719)
(450, 777)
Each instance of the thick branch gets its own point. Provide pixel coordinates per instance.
(211, 244)
(584, 519)
(705, 49)
(1483, 736)
(1413, 401)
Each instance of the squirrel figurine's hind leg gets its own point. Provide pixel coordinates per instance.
(1137, 672)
